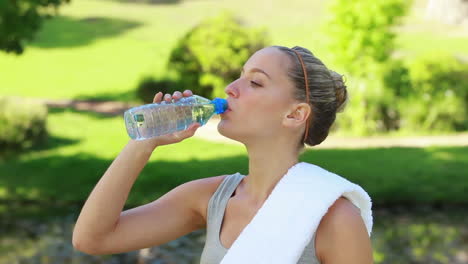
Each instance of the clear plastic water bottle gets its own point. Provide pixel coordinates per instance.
(152, 120)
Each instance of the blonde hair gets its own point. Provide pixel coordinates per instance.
(327, 92)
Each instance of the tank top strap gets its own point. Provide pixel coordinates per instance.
(218, 201)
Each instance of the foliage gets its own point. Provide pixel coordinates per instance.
(32, 240)
(361, 41)
(149, 86)
(410, 235)
(212, 54)
(431, 92)
(85, 62)
(22, 124)
(438, 95)
(83, 145)
(421, 236)
(361, 33)
(371, 108)
(21, 19)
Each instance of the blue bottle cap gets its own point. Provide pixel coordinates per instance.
(221, 105)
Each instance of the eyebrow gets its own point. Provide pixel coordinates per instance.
(258, 70)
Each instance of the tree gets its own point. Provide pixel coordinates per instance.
(448, 11)
(21, 19)
(361, 42)
(210, 55)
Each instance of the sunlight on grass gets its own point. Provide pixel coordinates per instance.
(3, 193)
(104, 137)
(411, 42)
(101, 49)
(97, 48)
(85, 144)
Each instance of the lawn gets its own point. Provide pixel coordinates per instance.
(83, 145)
(101, 49)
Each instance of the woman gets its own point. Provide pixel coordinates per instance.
(273, 114)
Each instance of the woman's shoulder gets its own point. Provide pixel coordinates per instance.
(342, 228)
(203, 189)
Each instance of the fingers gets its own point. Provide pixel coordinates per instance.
(194, 126)
(190, 130)
(168, 98)
(177, 95)
(157, 98)
(188, 93)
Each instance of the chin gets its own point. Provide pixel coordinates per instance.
(226, 130)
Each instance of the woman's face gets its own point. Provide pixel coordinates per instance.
(259, 99)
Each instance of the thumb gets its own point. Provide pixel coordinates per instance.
(190, 131)
(194, 128)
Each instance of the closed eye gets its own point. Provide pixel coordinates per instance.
(255, 84)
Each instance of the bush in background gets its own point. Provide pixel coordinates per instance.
(361, 42)
(22, 124)
(432, 92)
(212, 54)
(149, 86)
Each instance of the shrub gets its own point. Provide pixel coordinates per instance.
(361, 32)
(437, 97)
(22, 124)
(370, 110)
(361, 40)
(149, 86)
(212, 54)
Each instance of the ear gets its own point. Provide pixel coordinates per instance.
(297, 115)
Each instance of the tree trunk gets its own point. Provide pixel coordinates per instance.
(448, 11)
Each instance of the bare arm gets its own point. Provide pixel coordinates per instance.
(100, 214)
(101, 226)
(342, 236)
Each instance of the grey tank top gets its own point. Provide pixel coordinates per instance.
(213, 251)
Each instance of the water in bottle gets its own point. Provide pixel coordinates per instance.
(151, 120)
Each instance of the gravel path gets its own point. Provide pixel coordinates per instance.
(210, 132)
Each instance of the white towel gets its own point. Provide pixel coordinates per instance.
(286, 222)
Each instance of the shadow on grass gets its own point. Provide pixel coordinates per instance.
(128, 96)
(93, 113)
(62, 31)
(71, 178)
(152, 2)
(99, 105)
(55, 142)
(401, 175)
(390, 175)
(412, 179)
(51, 142)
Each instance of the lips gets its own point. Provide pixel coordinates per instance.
(227, 110)
(229, 107)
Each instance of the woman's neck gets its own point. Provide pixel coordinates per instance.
(267, 165)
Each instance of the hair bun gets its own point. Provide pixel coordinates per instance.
(340, 90)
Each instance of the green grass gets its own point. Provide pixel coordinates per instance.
(452, 44)
(83, 145)
(101, 49)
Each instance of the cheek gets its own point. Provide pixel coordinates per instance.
(264, 116)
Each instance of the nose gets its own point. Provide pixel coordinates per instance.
(232, 90)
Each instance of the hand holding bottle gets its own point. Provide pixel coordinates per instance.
(165, 117)
(177, 136)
